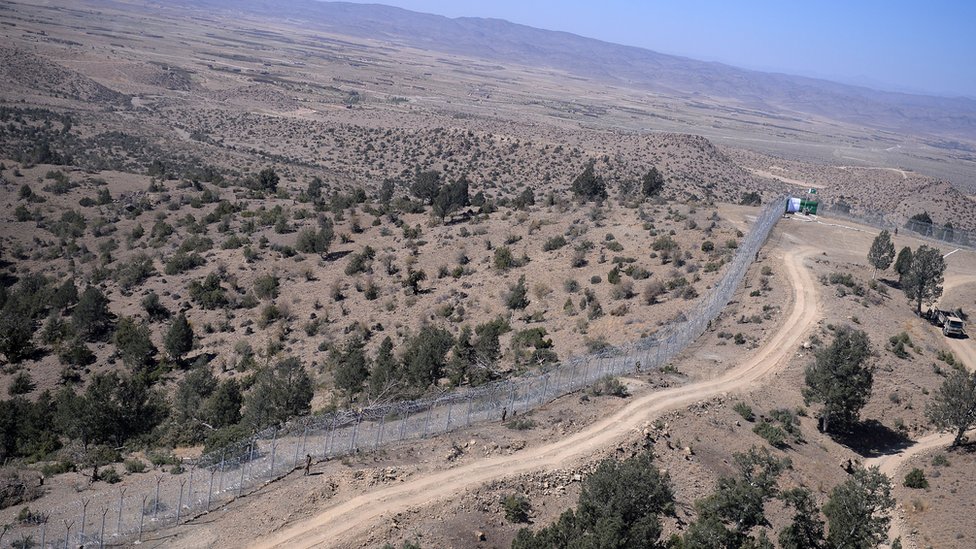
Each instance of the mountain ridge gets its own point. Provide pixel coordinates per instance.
(503, 41)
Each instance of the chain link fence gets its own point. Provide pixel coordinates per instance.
(166, 500)
(895, 222)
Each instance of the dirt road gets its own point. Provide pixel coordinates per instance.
(337, 525)
(965, 351)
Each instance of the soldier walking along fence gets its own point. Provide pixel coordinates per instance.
(214, 479)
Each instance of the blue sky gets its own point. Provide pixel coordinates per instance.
(922, 46)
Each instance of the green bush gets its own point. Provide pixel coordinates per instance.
(521, 424)
(744, 410)
(916, 479)
(517, 508)
(110, 475)
(134, 465)
(554, 243)
(609, 385)
(774, 435)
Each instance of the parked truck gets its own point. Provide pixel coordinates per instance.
(951, 324)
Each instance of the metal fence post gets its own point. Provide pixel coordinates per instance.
(467, 422)
(250, 455)
(84, 516)
(67, 531)
(210, 487)
(189, 487)
(101, 531)
(159, 478)
(450, 408)
(118, 525)
(355, 431)
(379, 431)
(430, 407)
(142, 515)
(179, 503)
(223, 456)
(274, 450)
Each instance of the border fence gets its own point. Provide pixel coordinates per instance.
(168, 500)
(946, 234)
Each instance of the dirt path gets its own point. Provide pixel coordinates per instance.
(964, 350)
(337, 525)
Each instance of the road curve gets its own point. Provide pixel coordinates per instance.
(338, 524)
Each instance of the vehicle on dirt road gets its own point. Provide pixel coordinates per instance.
(951, 324)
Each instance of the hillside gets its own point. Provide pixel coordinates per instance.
(217, 221)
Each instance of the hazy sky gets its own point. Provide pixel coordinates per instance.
(921, 46)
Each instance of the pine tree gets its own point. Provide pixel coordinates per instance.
(882, 252)
(840, 379)
(859, 510)
(923, 281)
(903, 263)
(179, 338)
(953, 407)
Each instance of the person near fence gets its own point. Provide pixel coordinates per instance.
(308, 463)
(504, 413)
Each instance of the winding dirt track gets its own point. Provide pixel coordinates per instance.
(337, 525)
(964, 350)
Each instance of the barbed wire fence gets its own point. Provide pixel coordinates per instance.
(215, 479)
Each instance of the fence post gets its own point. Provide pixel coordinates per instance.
(332, 434)
(210, 487)
(430, 407)
(142, 515)
(379, 431)
(101, 532)
(355, 432)
(298, 448)
(511, 395)
(403, 424)
(545, 387)
(467, 422)
(159, 478)
(43, 535)
(179, 503)
(84, 516)
(118, 525)
(450, 408)
(189, 487)
(274, 449)
(304, 440)
(326, 436)
(67, 531)
(223, 456)
(250, 456)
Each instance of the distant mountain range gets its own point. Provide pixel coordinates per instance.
(502, 41)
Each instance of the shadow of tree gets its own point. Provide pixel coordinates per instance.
(871, 438)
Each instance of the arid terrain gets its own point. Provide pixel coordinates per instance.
(358, 219)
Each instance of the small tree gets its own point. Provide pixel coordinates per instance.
(882, 252)
(807, 529)
(858, 511)
(268, 180)
(517, 298)
(652, 183)
(91, 317)
(840, 379)
(279, 393)
(903, 263)
(953, 407)
(179, 338)
(589, 186)
(426, 185)
(16, 334)
(923, 281)
(351, 367)
(134, 343)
